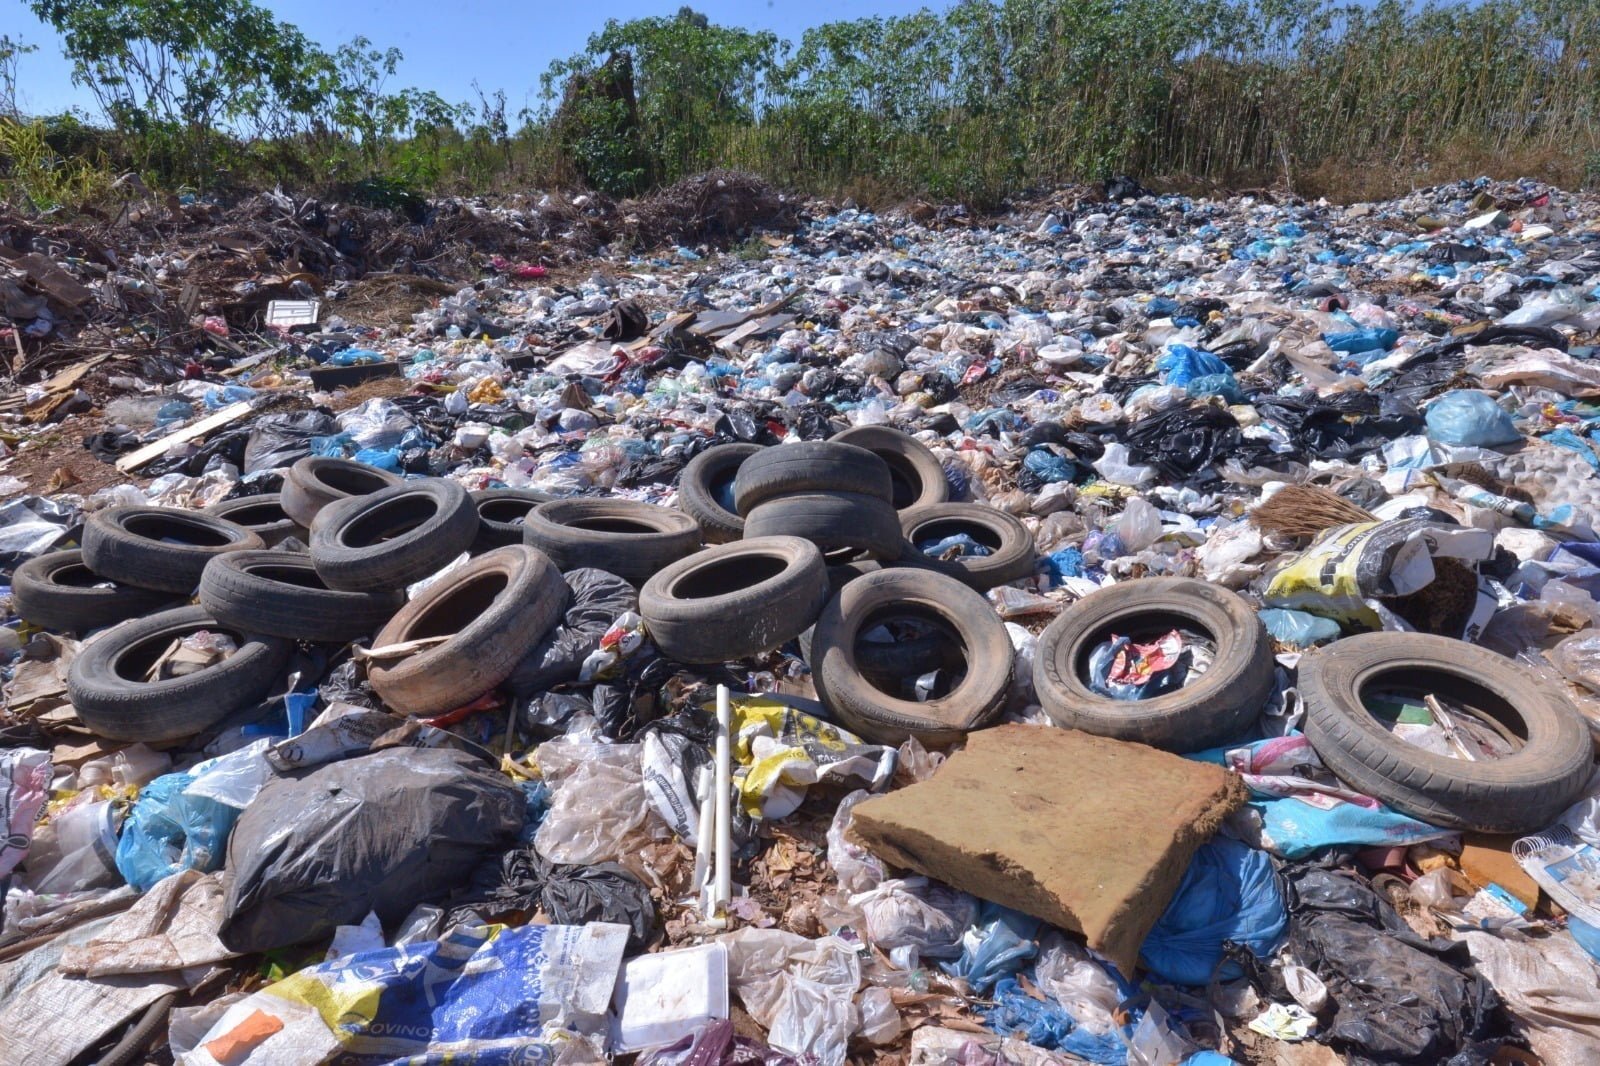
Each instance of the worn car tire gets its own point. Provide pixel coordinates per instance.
(1520, 793)
(891, 662)
(494, 611)
(105, 681)
(280, 593)
(875, 714)
(837, 522)
(735, 600)
(56, 591)
(393, 537)
(624, 537)
(316, 481)
(1012, 559)
(811, 466)
(501, 514)
(160, 548)
(916, 475)
(700, 484)
(262, 515)
(1215, 707)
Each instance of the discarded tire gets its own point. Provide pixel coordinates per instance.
(879, 716)
(915, 473)
(834, 522)
(107, 685)
(1212, 708)
(888, 662)
(492, 611)
(1011, 555)
(314, 482)
(630, 539)
(1520, 793)
(161, 548)
(262, 515)
(281, 594)
(57, 591)
(735, 600)
(705, 481)
(501, 513)
(810, 467)
(391, 538)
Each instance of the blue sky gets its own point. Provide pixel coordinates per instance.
(449, 44)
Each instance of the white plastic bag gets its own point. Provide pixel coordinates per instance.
(801, 990)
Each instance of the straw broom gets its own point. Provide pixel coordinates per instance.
(1305, 511)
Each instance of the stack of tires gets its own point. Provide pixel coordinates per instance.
(859, 503)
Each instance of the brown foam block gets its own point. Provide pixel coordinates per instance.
(1085, 832)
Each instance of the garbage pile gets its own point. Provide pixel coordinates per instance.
(1145, 630)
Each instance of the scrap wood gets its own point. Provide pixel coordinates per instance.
(150, 452)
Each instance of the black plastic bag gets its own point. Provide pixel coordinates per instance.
(283, 440)
(1186, 443)
(380, 832)
(598, 599)
(523, 881)
(1394, 996)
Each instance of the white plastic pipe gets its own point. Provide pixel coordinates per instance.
(722, 892)
(703, 843)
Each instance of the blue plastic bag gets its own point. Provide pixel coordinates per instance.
(1356, 341)
(1229, 892)
(1103, 659)
(1045, 1023)
(1062, 564)
(1049, 467)
(1297, 627)
(1468, 418)
(996, 947)
(168, 832)
(1224, 385)
(967, 545)
(1182, 364)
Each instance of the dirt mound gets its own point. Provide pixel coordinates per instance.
(717, 207)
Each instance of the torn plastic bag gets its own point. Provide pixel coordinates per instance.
(1395, 996)
(483, 994)
(1228, 893)
(1089, 988)
(1343, 426)
(1549, 985)
(522, 882)
(169, 830)
(347, 729)
(802, 990)
(284, 439)
(1185, 443)
(597, 599)
(24, 787)
(598, 808)
(376, 424)
(918, 913)
(379, 832)
(857, 869)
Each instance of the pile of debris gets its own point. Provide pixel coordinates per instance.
(1146, 631)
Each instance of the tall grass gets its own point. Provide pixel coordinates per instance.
(991, 97)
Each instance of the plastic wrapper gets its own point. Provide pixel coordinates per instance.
(997, 945)
(783, 752)
(1088, 989)
(1578, 658)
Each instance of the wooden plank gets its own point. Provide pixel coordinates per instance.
(156, 449)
